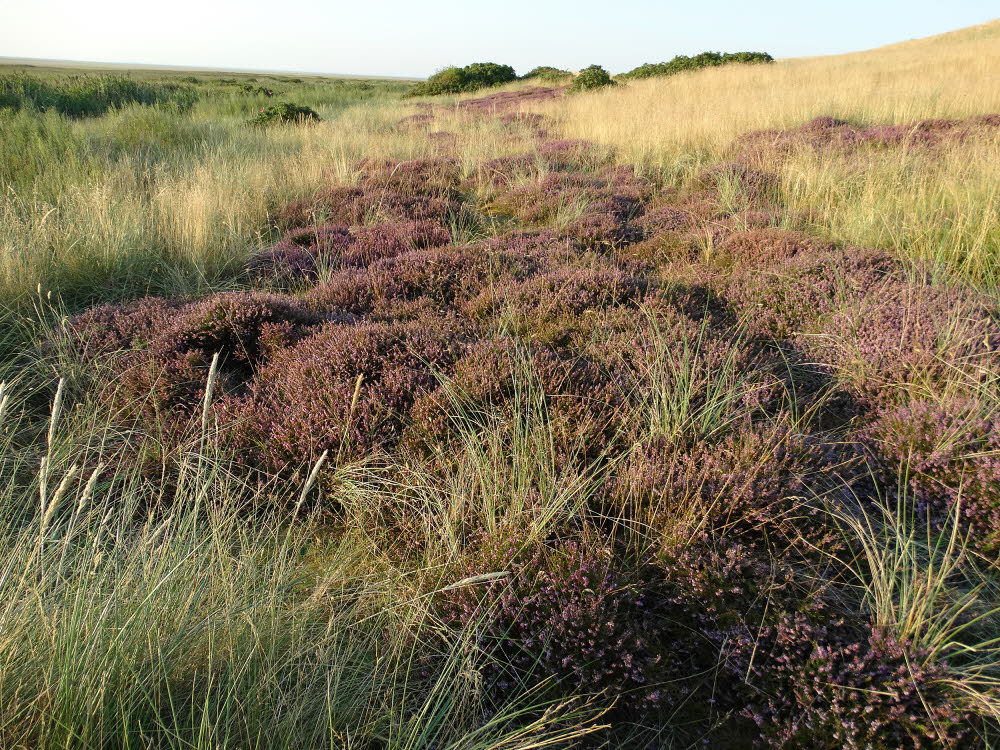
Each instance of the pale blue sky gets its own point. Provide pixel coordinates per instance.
(396, 37)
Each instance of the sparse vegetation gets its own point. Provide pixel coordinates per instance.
(525, 420)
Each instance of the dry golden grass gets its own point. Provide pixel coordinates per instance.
(943, 207)
(671, 122)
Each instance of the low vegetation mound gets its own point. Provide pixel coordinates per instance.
(455, 80)
(546, 73)
(592, 77)
(284, 113)
(683, 63)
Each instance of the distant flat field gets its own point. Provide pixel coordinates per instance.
(76, 66)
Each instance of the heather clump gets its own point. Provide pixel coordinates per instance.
(908, 336)
(569, 614)
(358, 205)
(790, 295)
(436, 178)
(735, 182)
(550, 306)
(115, 329)
(830, 134)
(346, 389)
(946, 457)
(303, 252)
(506, 101)
(564, 155)
(751, 481)
(451, 277)
(497, 378)
(299, 254)
(759, 248)
(161, 380)
(838, 685)
(233, 325)
(594, 209)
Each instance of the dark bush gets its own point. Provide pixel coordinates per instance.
(682, 63)
(472, 77)
(284, 113)
(593, 77)
(546, 73)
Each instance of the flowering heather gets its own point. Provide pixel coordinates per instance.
(109, 329)
(571, 615)
(791, 294)
(827, 133)
(344, 297)
(378, 241)
(451, 277)
(946, 454)
(583, 405)
(593, 209)
(354, 206)
(503, 101)
(665, 218)
(549, 305)
(835, 686)
(302, 251)
(762, 247)
(163, 380)
(417, 121)
(902, 334)
(346, 388)
(433, 178)
(523, 119)
(244, 328)
(297, 255)
(749, 483)
(550, 156)
(503, 171)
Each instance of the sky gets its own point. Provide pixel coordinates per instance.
(413, 38)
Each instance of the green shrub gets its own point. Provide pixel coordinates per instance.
(546, 73)
(88, 96)
(285, 112)
(472, 77)
(705, 60)
(594, 77)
